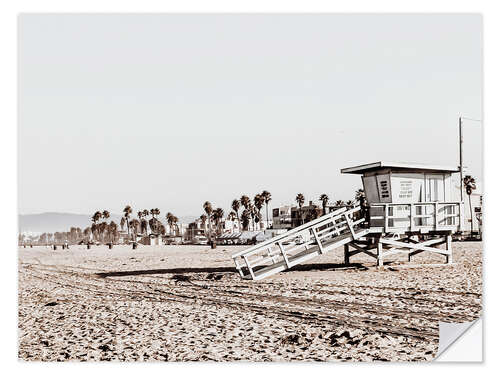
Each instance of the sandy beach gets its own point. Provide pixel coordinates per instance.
(186, 303)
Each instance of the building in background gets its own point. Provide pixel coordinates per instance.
(282, 217)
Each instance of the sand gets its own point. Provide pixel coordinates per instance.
(186, 303)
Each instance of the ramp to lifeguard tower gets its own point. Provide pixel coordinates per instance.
(300, 244)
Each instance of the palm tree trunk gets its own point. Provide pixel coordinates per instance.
(471, 222)
(209, 229)
(267, 216)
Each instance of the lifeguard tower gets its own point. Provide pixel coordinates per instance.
(410, 209)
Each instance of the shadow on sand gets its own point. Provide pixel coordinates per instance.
(301, 267)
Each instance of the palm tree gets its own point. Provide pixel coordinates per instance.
(101, 229)
(207, 206)
(145, 214)
(203, 219)
(144, 226)
(122, 223)
(105, 214)
(259, 203)
(349, 203)
(175, 220)
(245, 201)
(155, 211)
(218, 215)
(93, 230)
(112, 228)
(86, 233)
(235, 205)
(136, 225)
(170, 221)
(324, 201)
(251, 210)
(96, 217)
(267, 198)
(470, 185)
(154, 225)
(95, 220)
(127, 212)
(300, 201)
(339, 203)
(245, 219)
(360, 197)
(256, 216)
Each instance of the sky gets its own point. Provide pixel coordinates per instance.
(170, 111)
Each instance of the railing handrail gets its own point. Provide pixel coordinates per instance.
(438, 218)
(298, 229)
(413, 203)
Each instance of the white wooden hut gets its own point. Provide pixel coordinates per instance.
(406, 200)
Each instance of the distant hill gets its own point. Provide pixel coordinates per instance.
(51, 222)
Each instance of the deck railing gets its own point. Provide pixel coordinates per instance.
(414, 217)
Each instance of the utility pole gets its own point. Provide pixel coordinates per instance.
(461, 141)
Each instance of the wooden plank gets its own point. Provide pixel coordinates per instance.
(358, 251)
(346, 254)
(432, 241)
(318, 241)
(349, 224)
(449, 257)
(435, 216)
(380, 261)
(410, 246)
(249, 267)
(285, 258)
(411, 218)
(386, 219)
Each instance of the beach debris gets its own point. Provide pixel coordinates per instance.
(51, 304)
(104, 348)
(343, 337)
(293, 339)
(178, 278)
(213, 276)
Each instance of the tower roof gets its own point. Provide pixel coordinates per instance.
(404, 167)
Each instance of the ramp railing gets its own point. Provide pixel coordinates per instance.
(297, 245)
